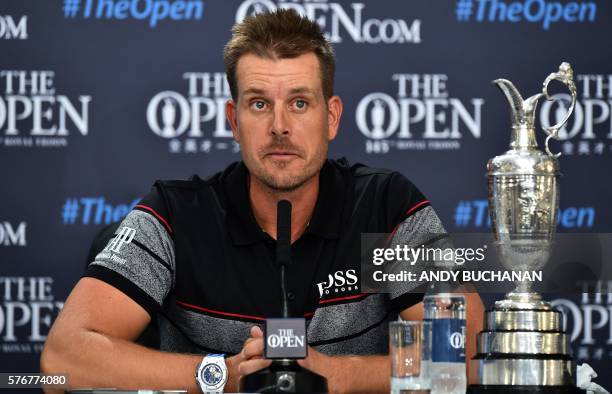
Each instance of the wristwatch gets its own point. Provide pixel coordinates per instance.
(211, 373)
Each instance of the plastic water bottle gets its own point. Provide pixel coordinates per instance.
(446, 311)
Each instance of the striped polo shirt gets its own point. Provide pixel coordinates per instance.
(192, 254)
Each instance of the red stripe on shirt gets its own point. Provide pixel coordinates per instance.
(353, 297)
(408, 212)
(157, 215)
(199, 308)
(230, 314)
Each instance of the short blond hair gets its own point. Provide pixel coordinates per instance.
(279, 35)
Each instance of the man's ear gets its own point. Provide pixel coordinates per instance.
(230, 114)
(334, 113)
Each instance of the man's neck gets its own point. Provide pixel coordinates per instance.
(264, 201)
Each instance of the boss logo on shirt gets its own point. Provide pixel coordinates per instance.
(338, 282)
(124, 236)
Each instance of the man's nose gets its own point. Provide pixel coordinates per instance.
(280, 124)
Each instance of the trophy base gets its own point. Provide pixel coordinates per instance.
(516, 344)
(524, 370)
(492, 389)
(524, 345)
(523, 320)
(523, 301)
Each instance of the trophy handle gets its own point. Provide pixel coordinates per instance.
(565, 75)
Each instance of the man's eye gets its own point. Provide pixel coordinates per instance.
(258, 105)
(300, 104)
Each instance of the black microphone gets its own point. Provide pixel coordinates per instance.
(283, 249)
(283, 233)
(284, 338)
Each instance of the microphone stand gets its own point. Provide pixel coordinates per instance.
(284, 375)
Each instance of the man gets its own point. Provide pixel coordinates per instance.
(200, 253)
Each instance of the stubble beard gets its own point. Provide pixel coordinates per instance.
(286, 183)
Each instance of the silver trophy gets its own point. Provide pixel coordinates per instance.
(523, 347)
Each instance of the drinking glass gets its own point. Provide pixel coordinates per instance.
(410, 352)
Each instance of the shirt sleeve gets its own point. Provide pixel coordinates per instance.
(139, 259)
(415, 223)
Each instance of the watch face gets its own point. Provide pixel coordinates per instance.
(212, 374)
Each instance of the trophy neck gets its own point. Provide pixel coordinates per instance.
(523, 125)
(523, 137)
(522, 115)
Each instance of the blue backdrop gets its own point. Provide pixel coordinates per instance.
(98, 98)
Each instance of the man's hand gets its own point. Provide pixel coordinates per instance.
(249, 360)
(344, 374)
(252, 353)
(318, 362)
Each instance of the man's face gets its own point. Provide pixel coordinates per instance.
(281, 119)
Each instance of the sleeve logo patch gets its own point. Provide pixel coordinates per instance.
(124, 236)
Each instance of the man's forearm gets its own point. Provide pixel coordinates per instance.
(93, 360)
(353, 374)
(362, 374)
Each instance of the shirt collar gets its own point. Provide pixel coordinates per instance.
(327, 216)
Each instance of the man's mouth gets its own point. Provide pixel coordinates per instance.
(281, 155)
